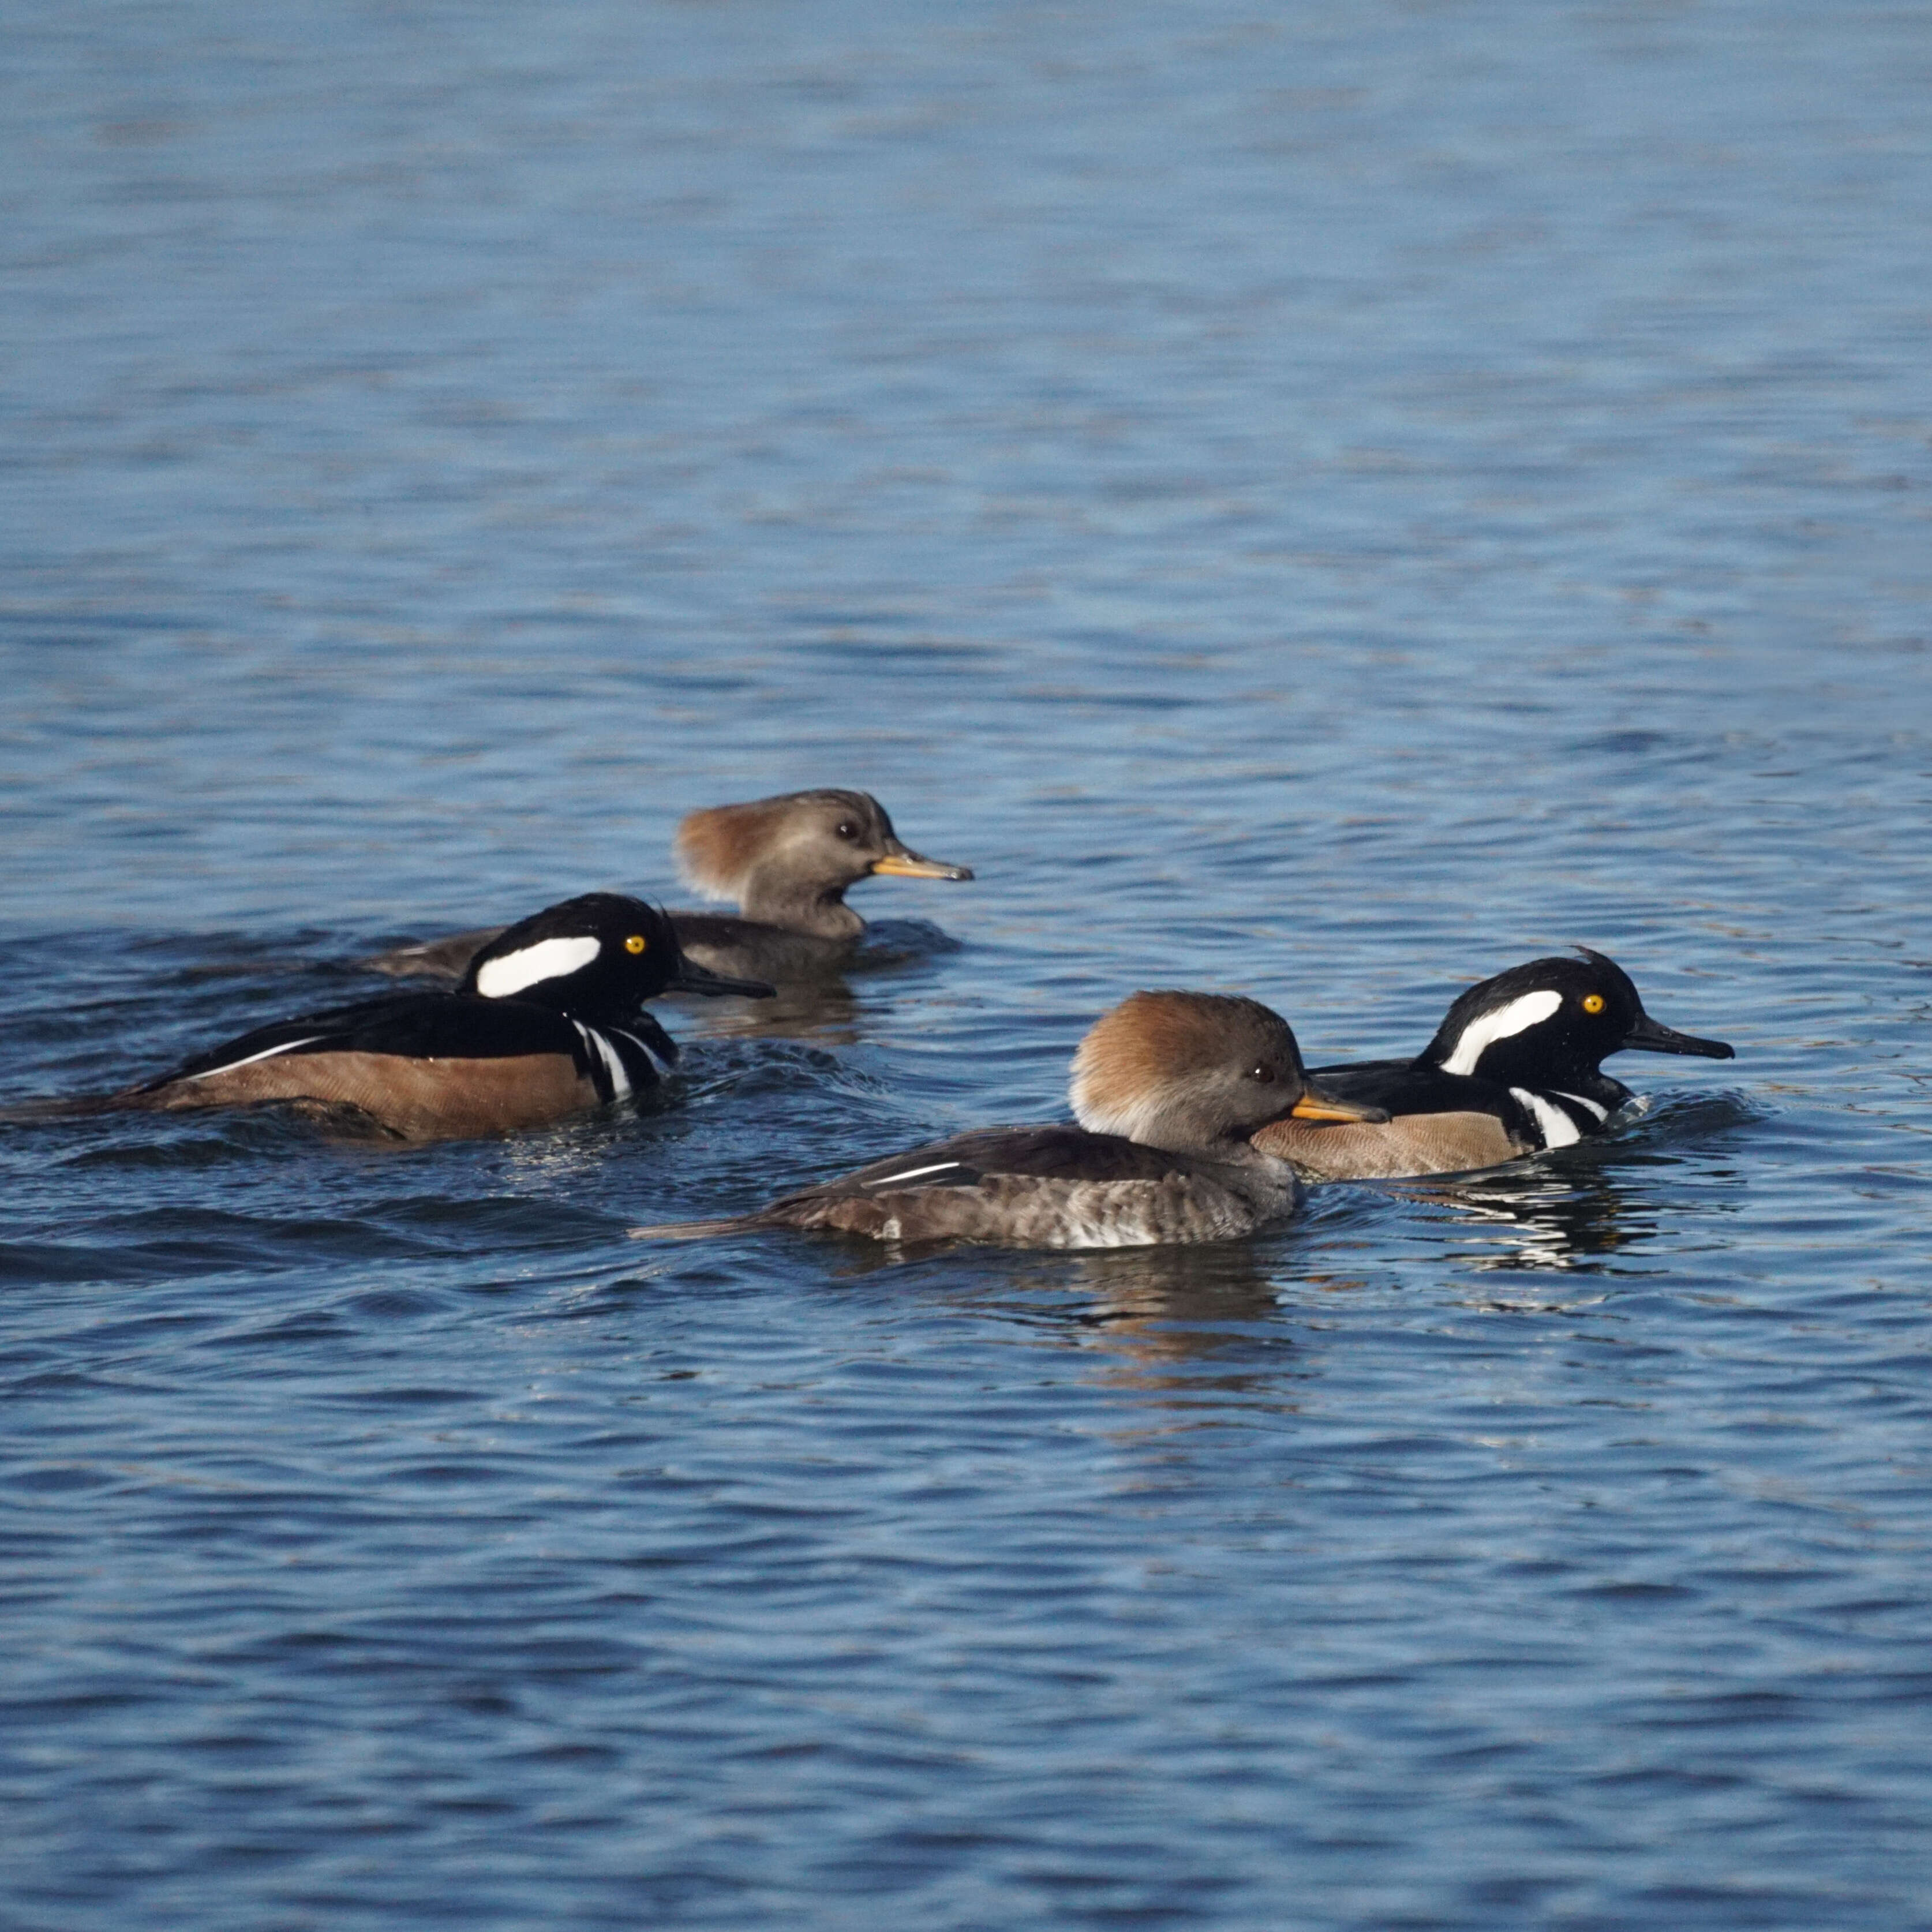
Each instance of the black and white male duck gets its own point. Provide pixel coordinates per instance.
(1167, 1088)
(1515, 1068)
(548, 1021)
(787, 861)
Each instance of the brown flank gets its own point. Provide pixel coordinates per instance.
(420, 1099)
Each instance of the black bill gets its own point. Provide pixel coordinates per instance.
(1649, 1037)
(692, 978)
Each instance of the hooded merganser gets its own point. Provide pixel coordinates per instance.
(787, 861)
(548, 1020)
(1167, 1087)
(1514, 1069)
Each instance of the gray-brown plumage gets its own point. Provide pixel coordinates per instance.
(1166, 1087)
(787, 861)
(433, 958)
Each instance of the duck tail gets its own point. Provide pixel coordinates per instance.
(73, 1107)
(697, 1230)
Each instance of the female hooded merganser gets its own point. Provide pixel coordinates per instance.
(548, 1020)
(1167, 1088)
(787, 861)
(1515, 1068)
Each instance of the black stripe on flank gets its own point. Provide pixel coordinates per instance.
(1587, 1122)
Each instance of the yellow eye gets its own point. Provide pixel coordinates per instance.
(635, 944)
(1593, 1003)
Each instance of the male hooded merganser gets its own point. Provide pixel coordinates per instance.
(1515, 1068)
(787, 861)
(1167, 1088)
(548, 1020)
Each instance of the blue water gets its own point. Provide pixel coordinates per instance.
(1320, 503)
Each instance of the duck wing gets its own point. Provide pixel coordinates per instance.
(1054, 1186)
(1400, 1086)
(1057, 1151)
(413, 1026)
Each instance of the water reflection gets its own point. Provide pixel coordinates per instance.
(1184, 1322)
(1190, 1299)
(826, 1012)
(1539, 1217)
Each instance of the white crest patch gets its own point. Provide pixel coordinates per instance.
(1558, 1129)
(267, 1053)
(1527, 1009)
(530, 965)
(1128, 1118)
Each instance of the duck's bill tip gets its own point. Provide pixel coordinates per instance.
(693, 978)
(910, 865)
(1317, 1103)
(1648, 1036)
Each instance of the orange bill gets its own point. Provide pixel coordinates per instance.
(1317, 1104)
(911, 865)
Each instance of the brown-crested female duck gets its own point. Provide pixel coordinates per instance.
(1167, 1088)
(787, 861)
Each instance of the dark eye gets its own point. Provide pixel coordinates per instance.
(1264, 1073)
(847, 831)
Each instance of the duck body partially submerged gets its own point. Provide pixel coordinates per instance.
(787, 861)
(1051, 1185)
(548, 1021)
(1166, 1089)
(1514, 1069)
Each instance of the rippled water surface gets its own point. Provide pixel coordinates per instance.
(1322, 502)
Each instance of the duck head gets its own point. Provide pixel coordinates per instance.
(597, 957)
(1196, 1073)
(1552, 1023)
(788, 860)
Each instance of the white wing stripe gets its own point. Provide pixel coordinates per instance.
(267, 1053)
(912, 1173)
